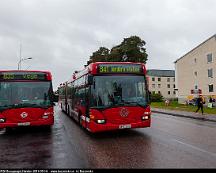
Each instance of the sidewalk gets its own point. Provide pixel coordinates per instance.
(205, 117)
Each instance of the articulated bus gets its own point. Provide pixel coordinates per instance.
(62, 97)
(108, 96)
(26, 98)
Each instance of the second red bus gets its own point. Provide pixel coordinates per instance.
(108, 96)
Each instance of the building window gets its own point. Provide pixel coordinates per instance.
(159, 79)
(168, 92)
(211, 89)
(174, 92)
(159, 85)
(209, 58)
(173, 79)
(210, 73)
(174, 86)
(153, 85)
(168, 79)
(168, 85)
(195, 60)
(195, 73)
(195, 87)
(159, 92)
(153, 79)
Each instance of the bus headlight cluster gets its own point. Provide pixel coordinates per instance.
(46, 115)
(2, 120)
(145, 117)
(147, 113)
(101, 121)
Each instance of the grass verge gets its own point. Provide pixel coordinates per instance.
(180, 107)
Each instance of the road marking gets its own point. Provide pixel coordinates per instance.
(196, 148)
(2, 131)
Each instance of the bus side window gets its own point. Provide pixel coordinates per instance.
(82, 97)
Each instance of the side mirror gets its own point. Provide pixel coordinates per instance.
(90, 79)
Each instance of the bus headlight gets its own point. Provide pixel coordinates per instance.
(2, 120)
(147, 113)
(46, 115)
(101, 121)
(145, 117)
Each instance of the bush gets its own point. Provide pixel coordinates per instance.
(174, 99)
(156, 97)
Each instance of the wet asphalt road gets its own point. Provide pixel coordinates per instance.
(171, 142)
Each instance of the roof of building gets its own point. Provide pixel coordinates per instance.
(195, 47)
(161, 73)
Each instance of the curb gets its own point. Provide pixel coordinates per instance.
(185, 116)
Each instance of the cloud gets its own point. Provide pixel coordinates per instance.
(60, 35)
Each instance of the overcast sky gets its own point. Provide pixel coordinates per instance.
(60, 35)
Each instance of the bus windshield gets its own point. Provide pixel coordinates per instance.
(108, 91)
(25, 94)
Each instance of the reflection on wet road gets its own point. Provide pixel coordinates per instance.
(39, 148)
(171, 142)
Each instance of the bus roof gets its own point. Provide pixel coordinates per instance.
(7, 75)
(92, 68)
(24, 71)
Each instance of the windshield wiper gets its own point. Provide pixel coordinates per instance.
(113, 105)
(32, 105)
(2, 108)
(22, 105)
(133, 102)
(5, 107)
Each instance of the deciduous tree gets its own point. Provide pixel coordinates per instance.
(101, 55)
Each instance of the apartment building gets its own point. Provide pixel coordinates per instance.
(196, 71)
(163, 82)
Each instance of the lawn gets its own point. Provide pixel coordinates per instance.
(175, 106)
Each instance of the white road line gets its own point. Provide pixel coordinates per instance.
(196, 148)
(2, 131)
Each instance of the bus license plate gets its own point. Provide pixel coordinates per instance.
(126, 126)
(24, 124)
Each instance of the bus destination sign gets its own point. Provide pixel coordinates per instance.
(120, 68)
(22, 76)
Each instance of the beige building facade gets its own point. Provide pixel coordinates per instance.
(163, 82)
(196, 72)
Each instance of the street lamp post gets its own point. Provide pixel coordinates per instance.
(22, 59)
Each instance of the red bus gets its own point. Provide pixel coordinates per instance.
(26, 98)
(108, 96)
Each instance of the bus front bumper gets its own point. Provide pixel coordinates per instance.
(40, 122)
(95, 127)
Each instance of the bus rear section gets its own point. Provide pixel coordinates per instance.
(26, 99)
